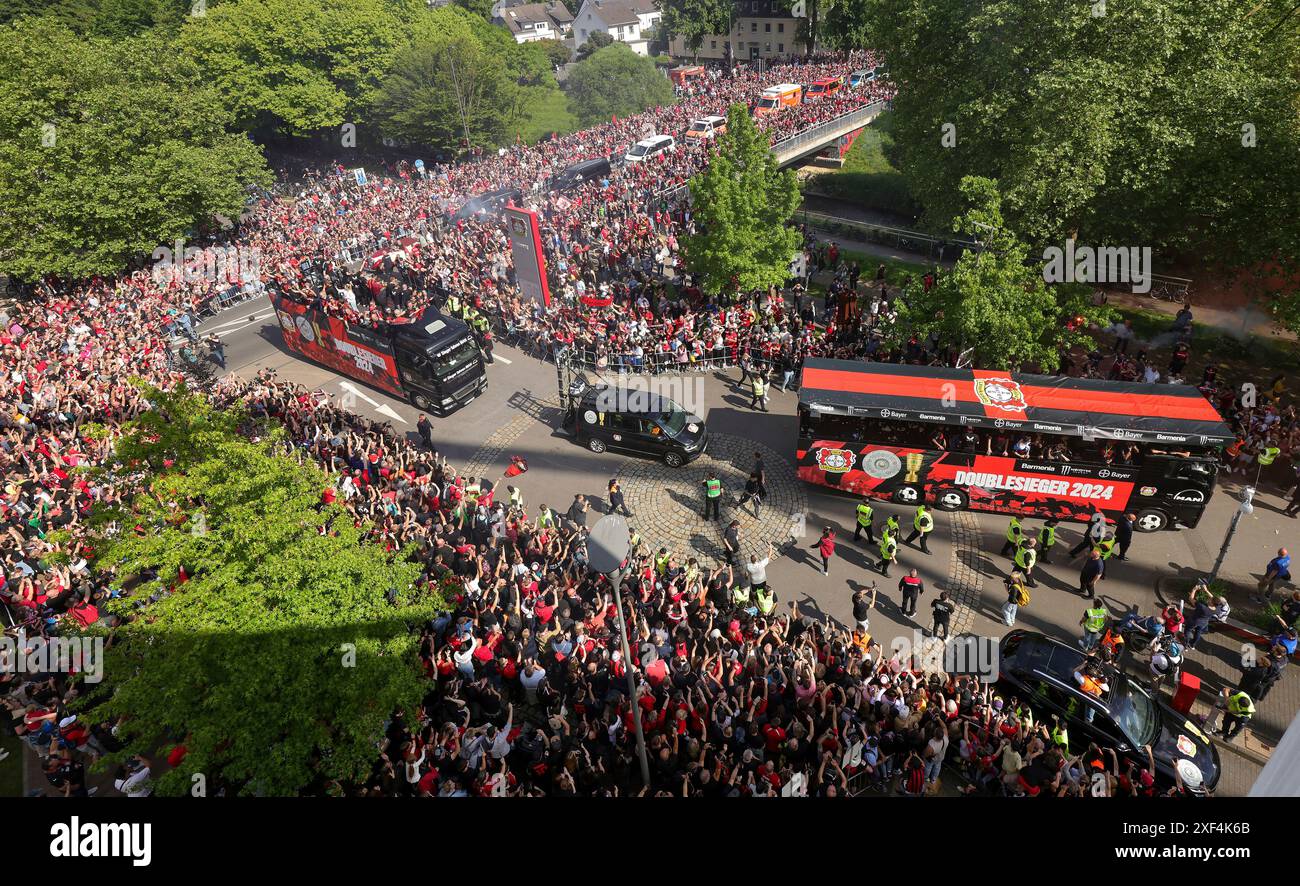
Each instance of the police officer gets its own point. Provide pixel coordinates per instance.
(1240, 710)
(866, 521)
(1093, 621)
(1014, 535)
(1026, 558)
(922, 526)
(712, 496)
(1046, 540)
(888, 550)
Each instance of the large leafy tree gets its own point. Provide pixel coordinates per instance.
(695, 20)
(279, 660)
(461, 80)
(847, 25)
(995, 300)
(296, 66)
(615, 81)
(108, 148)
(742, 203)
(1169, 123)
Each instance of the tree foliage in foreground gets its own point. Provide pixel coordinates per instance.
(742, 202)
(995, 301)
(247, 660)
(107, 149)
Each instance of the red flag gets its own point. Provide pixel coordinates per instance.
(615, 118)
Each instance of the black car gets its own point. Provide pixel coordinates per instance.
(605, 417)
(580, 173)
(1040, 671)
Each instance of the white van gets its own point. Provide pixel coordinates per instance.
(650, 147)
(706, 127)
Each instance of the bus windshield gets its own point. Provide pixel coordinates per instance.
(454, 358)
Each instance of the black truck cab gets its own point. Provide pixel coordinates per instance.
(438, 361)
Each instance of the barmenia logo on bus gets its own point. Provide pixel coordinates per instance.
(836, 461)
(1000, 393)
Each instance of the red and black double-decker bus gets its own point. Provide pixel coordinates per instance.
(1035, 445)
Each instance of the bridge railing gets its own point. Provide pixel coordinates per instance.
(821, 133)
(942, 249)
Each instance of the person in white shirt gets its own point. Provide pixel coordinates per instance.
(758, 569)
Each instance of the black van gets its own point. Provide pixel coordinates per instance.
(581, 173)
(602, 417)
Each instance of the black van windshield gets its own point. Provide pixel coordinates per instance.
(674, 422)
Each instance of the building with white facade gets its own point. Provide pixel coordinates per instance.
(629, 21)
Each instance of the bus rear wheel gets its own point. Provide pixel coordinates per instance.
(952, 500)
(1151, 520)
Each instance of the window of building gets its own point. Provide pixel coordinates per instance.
(713, 44)
(780, 27)
(753, 27)
(767, 26)
(767, 47)
(780, 47)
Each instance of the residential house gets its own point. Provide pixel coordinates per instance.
(760, 29)
(534, 21)
(630, 21)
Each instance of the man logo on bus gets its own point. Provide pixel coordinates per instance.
(1001, 393)
(836, 461)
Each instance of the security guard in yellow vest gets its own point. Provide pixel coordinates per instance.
(1240, 710)
(759, 389)
(516, 497)
(866, 520)
(740, 596)
(891, 526)
(1046, 539)
(545, 517)
(712, 496)
(1105, 547)
(1026, 557)
(765, 597)
(453, 304)
(922, 526)
(661, 562)
(1060, 735)
(1093, 621)
(1014, 534)
(888, 550)
(633, 539)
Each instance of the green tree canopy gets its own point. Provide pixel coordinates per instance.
(107, 149)
(615, 81)
(995, 300)
(296, 66)
(595, 40)
(742, 203)
(461, 80)
(282, 656)
(695, 20)
(557, 51)
(1169, 123)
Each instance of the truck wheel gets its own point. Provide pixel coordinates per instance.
(673, 459)
(422, 403)
(1151, 520)
(596, 445)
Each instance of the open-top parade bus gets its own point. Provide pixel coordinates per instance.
(1034, 445)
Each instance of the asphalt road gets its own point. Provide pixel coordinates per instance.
(517, 415)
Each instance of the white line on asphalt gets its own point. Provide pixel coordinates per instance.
(388, 411)
(502, 359)
(352, 389)
(241, 321)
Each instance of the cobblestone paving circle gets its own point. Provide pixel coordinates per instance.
(964, 579)
(668, 503)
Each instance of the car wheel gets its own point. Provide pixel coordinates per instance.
(596, 445)
(673, 459)
(952, 500)
(907, 495)
(1151, 521)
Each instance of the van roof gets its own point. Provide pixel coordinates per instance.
(655, 140)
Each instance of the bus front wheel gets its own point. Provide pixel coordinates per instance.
(1151, 521)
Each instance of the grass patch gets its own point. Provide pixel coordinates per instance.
(552, 114)
(11, 770)
(869, 176)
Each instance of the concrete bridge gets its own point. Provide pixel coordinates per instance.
(795, 148)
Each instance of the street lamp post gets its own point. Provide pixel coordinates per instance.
(607, 550)
(1247, 493)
